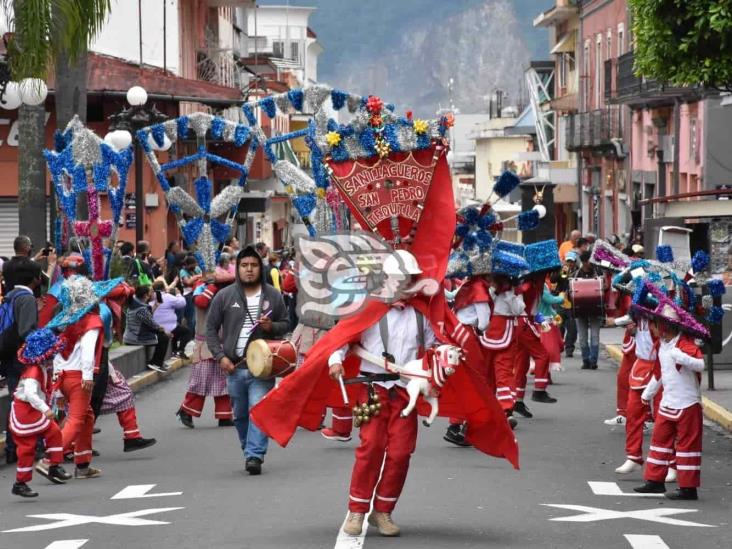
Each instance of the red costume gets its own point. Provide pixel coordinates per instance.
(628, 360)
(639, 377)
(529, 338)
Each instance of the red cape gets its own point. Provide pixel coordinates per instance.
(301, 398)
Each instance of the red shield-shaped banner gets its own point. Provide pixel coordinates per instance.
(386, 195)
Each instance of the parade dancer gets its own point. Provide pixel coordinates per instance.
(31, 417)
(473, 308)
(628, 360)
(551, 336)
(206, 378)
(679, 424)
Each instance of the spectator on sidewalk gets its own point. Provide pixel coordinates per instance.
(189, 276)
(141, 328)
(569, 244)
(169, 301)
(588, 327)
(140, 271)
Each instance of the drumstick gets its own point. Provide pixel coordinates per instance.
(343, 390)
(258, 322)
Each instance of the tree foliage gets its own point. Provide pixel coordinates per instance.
(684, 42)
(42, 29)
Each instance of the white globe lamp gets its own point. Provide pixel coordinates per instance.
(118, 139)
(136, 96)
(541, 209)
(33, 91)
(11, 98)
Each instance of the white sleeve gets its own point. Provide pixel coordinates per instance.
(651, 389)
(88, 344)
(694, 364)
(33, 395)
(484, 315)
(338, 356)
(429, 336)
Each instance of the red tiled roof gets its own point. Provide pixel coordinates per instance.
(106, 73)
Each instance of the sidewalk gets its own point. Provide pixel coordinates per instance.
(717, 403)
(136, 383)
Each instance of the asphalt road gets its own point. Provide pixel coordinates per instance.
(454, 497)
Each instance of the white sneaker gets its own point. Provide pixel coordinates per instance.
(671, 475)
(617, 420)
(628, 467)
(157, 368)
(647, 427)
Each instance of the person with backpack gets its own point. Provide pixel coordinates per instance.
(140, 273)
(18, 318)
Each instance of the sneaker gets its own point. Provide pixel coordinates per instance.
(651, 487)
(87, 472)
(686, 494)
(671, 475)
(185, 419)
(54, 473)
(520, 408)
(384, 524)
(647, 427)
(542, 396)
(617, 420)
(330, 434)
(512, 422)
(586, 365)
(226, 423)
(155, 367)
(628, 467)
(96, 430)
(354, 524)
(253, 466)
(132, 444)
(455, 435)
(593, 366)
(23, 490)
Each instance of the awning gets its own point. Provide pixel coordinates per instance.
(565, 45)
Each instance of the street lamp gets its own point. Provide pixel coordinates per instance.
(123, 128)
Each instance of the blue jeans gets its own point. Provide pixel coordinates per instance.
(589, 329)
(189, 313)
(245, 391)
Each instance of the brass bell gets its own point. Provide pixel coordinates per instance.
(376, 398)
(378, 405)
(355, 410)
(366, 419)
(372, 408)
(376, 412)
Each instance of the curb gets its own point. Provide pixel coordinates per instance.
(139, 382)
(712, 411)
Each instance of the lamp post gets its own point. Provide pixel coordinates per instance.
(123, 130)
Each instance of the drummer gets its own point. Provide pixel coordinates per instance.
(588, 326)
(246, 310)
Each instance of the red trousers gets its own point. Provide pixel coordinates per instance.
(388, 440)
(342, 420)
(77, 431)
(622, 383)
(635, 415)
(26, 450)
(503, 362)
(529, 346)
(193, 405)
(685, 427)
(128, 421)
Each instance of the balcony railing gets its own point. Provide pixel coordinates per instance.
(593, 130)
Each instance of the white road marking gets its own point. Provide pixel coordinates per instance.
(141, 491)
(67, 544)
(612, 489)
(344, 541)
(594, 514)
(645, 542)
(64, 520)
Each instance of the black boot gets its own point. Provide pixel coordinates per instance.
(541, 396)
(226, 423)
(185, 419)
(586, 365)
(521, 408)
(454, 435)
(23, 490)
(682, 494)
(253, 466)
(132, 444)
(651, 487)
(54, 473)
(593, 365)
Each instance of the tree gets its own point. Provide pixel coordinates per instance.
(684, 42)
(48, 33)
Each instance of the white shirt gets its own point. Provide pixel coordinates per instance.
(403, 342)
(508, 303)
(476, 314)
(81, 358)
(29, 390)
(248, 326)
(681, 388)
(644, 348)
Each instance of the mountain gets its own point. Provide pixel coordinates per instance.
(406, 51)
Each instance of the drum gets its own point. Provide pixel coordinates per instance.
(587, 297)
(271, 358)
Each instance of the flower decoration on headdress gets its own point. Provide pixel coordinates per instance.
(421, 126)
(333, 139)
(374, 104)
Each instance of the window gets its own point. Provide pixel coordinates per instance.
(621, 39)
(693, 141)
(278, 48)
(598, 70)
(294, 51)
(609, 49)
(586, 76)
